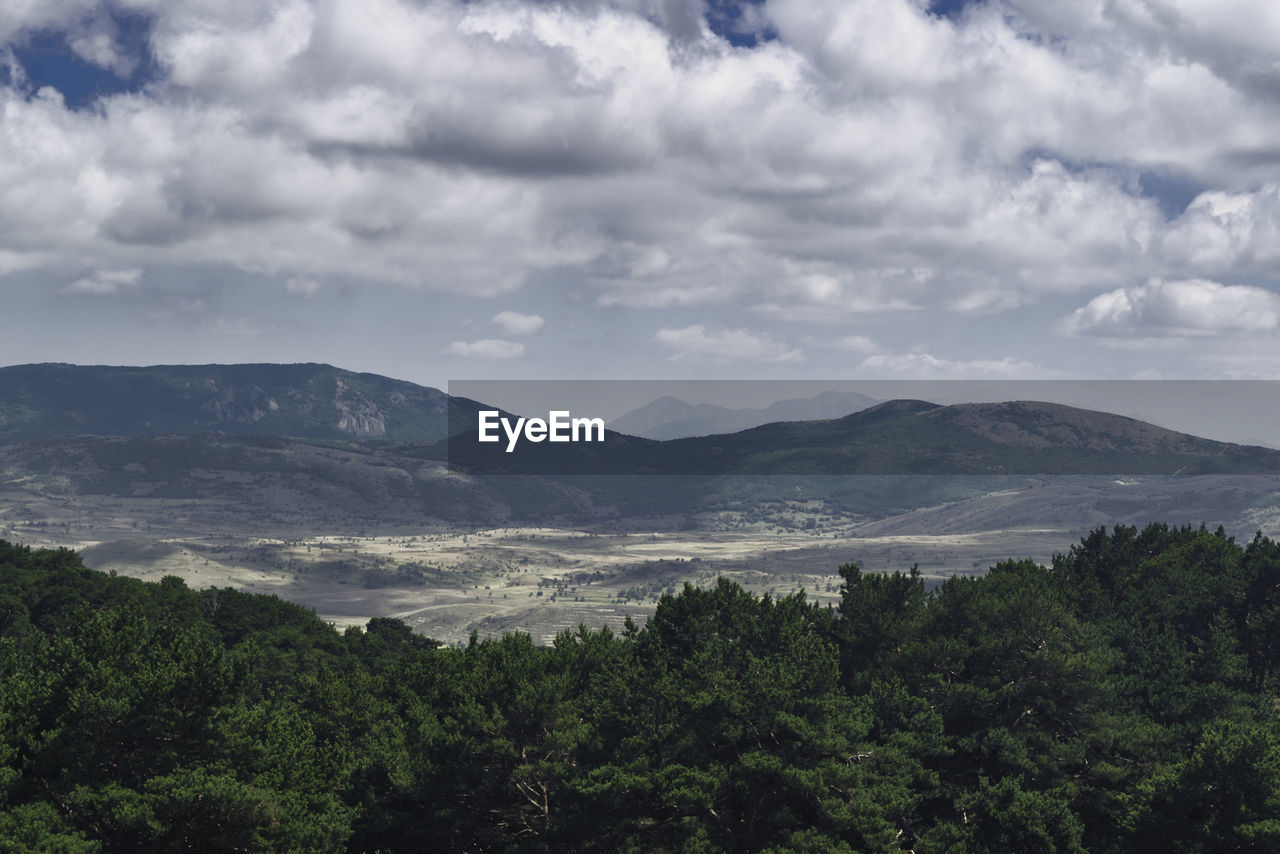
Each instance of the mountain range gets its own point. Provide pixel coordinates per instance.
(361, 496)
(899, 437)
(671, 418)
(308, 446)
(301, 401)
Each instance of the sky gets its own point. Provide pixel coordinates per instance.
(626, 189)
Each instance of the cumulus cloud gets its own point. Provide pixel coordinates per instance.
(105, 282)
(698, 343)
(18, 19)
(1187, 307)
(1221, 231)
(820, 292)
(95, 39)
(515, 323)
(486, 348)
(872, 158)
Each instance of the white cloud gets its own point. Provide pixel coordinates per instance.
(96, 41)
(872, 158)
(697, 343)
(1190, 307)
(105, 282)
(24, 17)
(1222, 231)
(823, 292)
(486, 348)
(515, 323)
(301, 286)
(669, 296)
(926, 366)
(855, 344)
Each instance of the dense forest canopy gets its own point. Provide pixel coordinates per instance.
(1122, 699)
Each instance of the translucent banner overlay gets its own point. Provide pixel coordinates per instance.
(881, 427)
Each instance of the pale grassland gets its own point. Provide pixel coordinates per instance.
(447, 583)
(538, 580)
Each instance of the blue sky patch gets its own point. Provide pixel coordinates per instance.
(47, 60)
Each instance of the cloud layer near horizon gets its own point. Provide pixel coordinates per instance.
(868, 160)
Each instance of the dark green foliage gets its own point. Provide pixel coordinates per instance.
(1121, 700)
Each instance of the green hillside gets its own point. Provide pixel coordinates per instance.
(901, 437)
(308, 401)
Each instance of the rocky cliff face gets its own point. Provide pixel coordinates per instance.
(357, 414)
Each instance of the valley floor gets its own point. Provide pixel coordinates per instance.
(448, 582)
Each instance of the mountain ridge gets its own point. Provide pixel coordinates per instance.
(900, 437)
(313, 402)
(669, 417)
(306, 400)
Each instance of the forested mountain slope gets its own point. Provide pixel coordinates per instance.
(899, 437)
(306, 401)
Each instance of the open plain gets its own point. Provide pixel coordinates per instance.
(448, 581)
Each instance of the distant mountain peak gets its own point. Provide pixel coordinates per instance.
(900, 405)
(671, 418)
